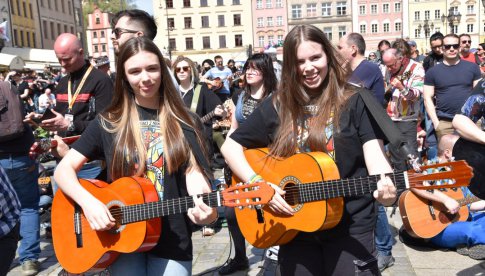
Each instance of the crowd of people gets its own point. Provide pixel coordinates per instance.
(175, 122)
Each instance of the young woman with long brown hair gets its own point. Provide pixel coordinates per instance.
(315, 109)
(142, 133)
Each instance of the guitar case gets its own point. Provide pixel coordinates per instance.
(474, 155)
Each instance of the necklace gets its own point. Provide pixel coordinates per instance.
(310, 109)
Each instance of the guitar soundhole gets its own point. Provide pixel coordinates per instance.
(292, 194)
(117, 214)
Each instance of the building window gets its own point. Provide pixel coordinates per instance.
(470, 9)
(417, 33)
(363, 28)
(206, 42)
(279, 3)
(237, 20)
(426, 15)
(169, 3)
(454, 10)
(296, 11)
(260, 22)
(188, 22)
(373, 9)
(41, 3)
(172, 45)
(385, 27)
(235, 2)
(220, 20)
(259, 4)
(270, 40)
(398, 26)
(417, 15)
(34, 44)
(15, 37)
(95, 34)
(53, 34)
(220, 2)
(328, 32)
(24, 8)
(186, 4)
(44, 25)
(27, 36)
(55, 5)
(238, 40)
(31, 13)
(342, 30)
(65, 30)
(261, 41)
(103, 47)
(311, 10)
(269, 21)
(102, 34)
(469, 28)
(437, 14)
(171, 22)
(374, 28)
(280, 39)
(326, 9)
(96, 49)
(205, 21)
(72, 30)
(19, 13)
(69, 8)
(222, 41)
(455, 29)
(279, 20)
(362, 10)
(385, 8)
(98, 20)
(203, 3)
(397, 7)
(269, 5)
(189, 43)
(341, 8)
(59, 31)
(63, 8)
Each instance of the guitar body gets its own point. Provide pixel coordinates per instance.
(474, 154)
(100, 248)
(275, 229)
(423, 218)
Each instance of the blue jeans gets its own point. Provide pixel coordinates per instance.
(383, 234)
(462, 233)
(23, 173)
(147, 264)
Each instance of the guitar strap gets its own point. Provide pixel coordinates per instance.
(189, 134)
(392, 133)
(195, 98)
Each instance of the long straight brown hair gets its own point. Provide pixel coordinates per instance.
(292, 95)
(121, 118)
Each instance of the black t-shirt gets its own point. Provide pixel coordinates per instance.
(96, 143)
(356, 127)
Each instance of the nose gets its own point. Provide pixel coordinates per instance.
(144, 76)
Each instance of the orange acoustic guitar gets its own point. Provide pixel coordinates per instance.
(133, 202)
(44, 145)
(423, 218)
(314, 190)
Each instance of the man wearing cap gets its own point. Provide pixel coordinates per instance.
(414, 52)
(103, 64)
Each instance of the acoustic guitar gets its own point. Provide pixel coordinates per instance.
(134, 203)
(314, 190)
(423, 218)
(44, 145)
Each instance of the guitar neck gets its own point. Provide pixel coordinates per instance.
(146, 211)
(208, 116)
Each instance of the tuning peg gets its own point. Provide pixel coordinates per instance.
(240, 207)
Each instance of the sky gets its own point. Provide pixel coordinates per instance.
(146, 5)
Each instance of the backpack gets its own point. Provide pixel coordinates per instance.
(11, 112)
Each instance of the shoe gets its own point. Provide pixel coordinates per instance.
(30, 267)
(476, 252)
(234, 265)
(384, 261)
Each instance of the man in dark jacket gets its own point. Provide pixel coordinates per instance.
(436, 55)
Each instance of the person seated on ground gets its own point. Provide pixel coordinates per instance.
(466, 237)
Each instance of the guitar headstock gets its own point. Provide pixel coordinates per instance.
(248, 195)
(441, 175)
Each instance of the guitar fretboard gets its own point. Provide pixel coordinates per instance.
(150, 210)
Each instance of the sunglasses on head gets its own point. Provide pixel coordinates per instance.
(466, 42)
(119, 31)
(183, 68)
(448, 46)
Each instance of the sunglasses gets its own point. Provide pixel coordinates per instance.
(466, 42)
(119, 31)
(448, 46)
(184, 68)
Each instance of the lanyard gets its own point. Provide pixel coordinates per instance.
(72, 98)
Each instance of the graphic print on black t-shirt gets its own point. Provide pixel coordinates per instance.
(155, 164)
(303, 135)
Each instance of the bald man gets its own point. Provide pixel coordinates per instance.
(80, 95)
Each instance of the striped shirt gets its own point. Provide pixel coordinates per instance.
(9, 205)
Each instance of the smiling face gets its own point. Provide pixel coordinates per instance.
(143, 72)
(312, 65)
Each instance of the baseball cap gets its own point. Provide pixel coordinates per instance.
(102, 61)
(412, 43)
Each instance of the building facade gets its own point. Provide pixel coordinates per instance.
(98, 35)
(205, 28)
(269, 24)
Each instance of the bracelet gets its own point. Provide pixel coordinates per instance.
(215, 220)
(255, 178)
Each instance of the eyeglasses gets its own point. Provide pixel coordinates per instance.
(183, 68)
(392, 65)
(448, 46)
(466, 42)
(119, 31)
